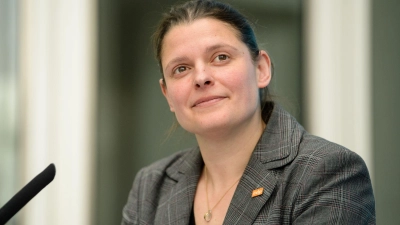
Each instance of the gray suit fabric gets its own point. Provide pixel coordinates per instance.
(306, 180)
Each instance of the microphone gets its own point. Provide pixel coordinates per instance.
(27, 193)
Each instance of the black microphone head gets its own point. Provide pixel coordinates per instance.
(27, 193)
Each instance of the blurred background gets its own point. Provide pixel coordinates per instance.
(79, 88)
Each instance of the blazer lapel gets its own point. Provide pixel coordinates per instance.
(244, 208)
(180, 203)
(276, 148)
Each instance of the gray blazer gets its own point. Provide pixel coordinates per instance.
(306, 180)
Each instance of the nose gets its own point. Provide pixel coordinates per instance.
(203, 79)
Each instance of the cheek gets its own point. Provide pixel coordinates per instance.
(178, 96)
(243, 80)
(246, 85)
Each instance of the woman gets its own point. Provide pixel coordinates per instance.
(254, 163)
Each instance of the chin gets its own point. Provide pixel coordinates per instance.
(209, 127)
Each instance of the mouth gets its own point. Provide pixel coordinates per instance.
(207, 101)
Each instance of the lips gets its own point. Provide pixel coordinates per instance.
(207, 100)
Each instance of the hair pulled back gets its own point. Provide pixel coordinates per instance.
(198, 9)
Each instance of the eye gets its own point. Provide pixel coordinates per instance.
(221, 58)
(180, 69)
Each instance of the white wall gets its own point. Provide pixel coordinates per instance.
(338, 73)
(57, 59)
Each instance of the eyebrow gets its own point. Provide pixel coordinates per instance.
(217, 46)
(176, 60)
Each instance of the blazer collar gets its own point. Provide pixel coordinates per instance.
(277, 147)
(186, 173)
(279, 143)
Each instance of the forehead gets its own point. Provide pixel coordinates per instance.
(199, 32)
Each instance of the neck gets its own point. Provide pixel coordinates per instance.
(226, 156)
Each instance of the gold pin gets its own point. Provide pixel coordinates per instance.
(257, 192)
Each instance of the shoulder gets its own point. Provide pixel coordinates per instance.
(332, 181)
(150, 184)
(316, 152)
(160, 166)
(324, 182)
(285, 144)
(319, 160)
(164, 169)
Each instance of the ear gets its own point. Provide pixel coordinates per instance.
(164, 90)
(264, 73)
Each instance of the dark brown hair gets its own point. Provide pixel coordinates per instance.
(197, 9)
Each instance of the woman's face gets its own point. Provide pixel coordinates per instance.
(211, 82)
